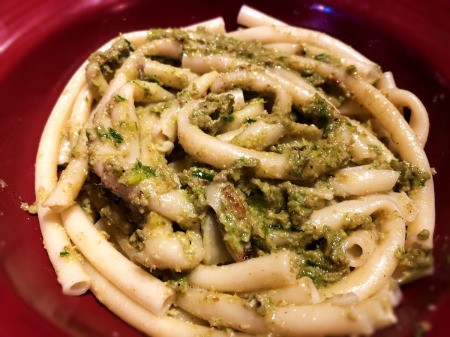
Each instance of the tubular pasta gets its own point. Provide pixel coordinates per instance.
(221, 309)
(378, 269)
(419, 120)
(118, 302)
(302, 292)
(317, 320)
(143, 287)
(220, 154)
(70, 273)
(361, 180)
(262, 182)
(255, 274)
(214, 250)
(270, 34)
(334, 216)
(408, 147)
(69, 185)
(359, 246)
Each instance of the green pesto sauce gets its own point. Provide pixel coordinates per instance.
(414, 260)
(194, 180)
(111, 59)
(316, 112)
(213, 112)
(260, 216)
(312, 160)
(208, 44)
(255, 53)
(301, 204)
(411, 177)
(110, 134)
(138, 173)
(257, 216)
(423, 235)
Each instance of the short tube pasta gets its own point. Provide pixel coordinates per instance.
(214, 250)
(69, 185)
(222, 155)
(359, 246)
(222, 309)
(70, 273)
(362, 180)
(145, 288)
(378, 268)
(68, 267)
(315, 320)
(142, 319)
(302, 292)
(334, 216)
(259, 273)
(259, 182)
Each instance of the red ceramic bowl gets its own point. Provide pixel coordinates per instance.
(43, 42)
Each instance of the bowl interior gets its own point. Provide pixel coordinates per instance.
(40, 62)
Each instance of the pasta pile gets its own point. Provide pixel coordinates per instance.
(269, 181)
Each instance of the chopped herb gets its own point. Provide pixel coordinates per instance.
(111, 134)
(250, 120)
(151, 79)
(137, 173)
(146, 170)
(229, 118)
(114, 135)
(119, 98)
(142, 86)
(202, 174)
(323, 58)
(64, 253)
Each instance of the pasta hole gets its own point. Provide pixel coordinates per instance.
(406, 113)
(78, 288)
(355, 251)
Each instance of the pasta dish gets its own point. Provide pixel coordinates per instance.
(269, 181)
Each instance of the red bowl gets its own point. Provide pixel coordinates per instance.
(43, 42)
